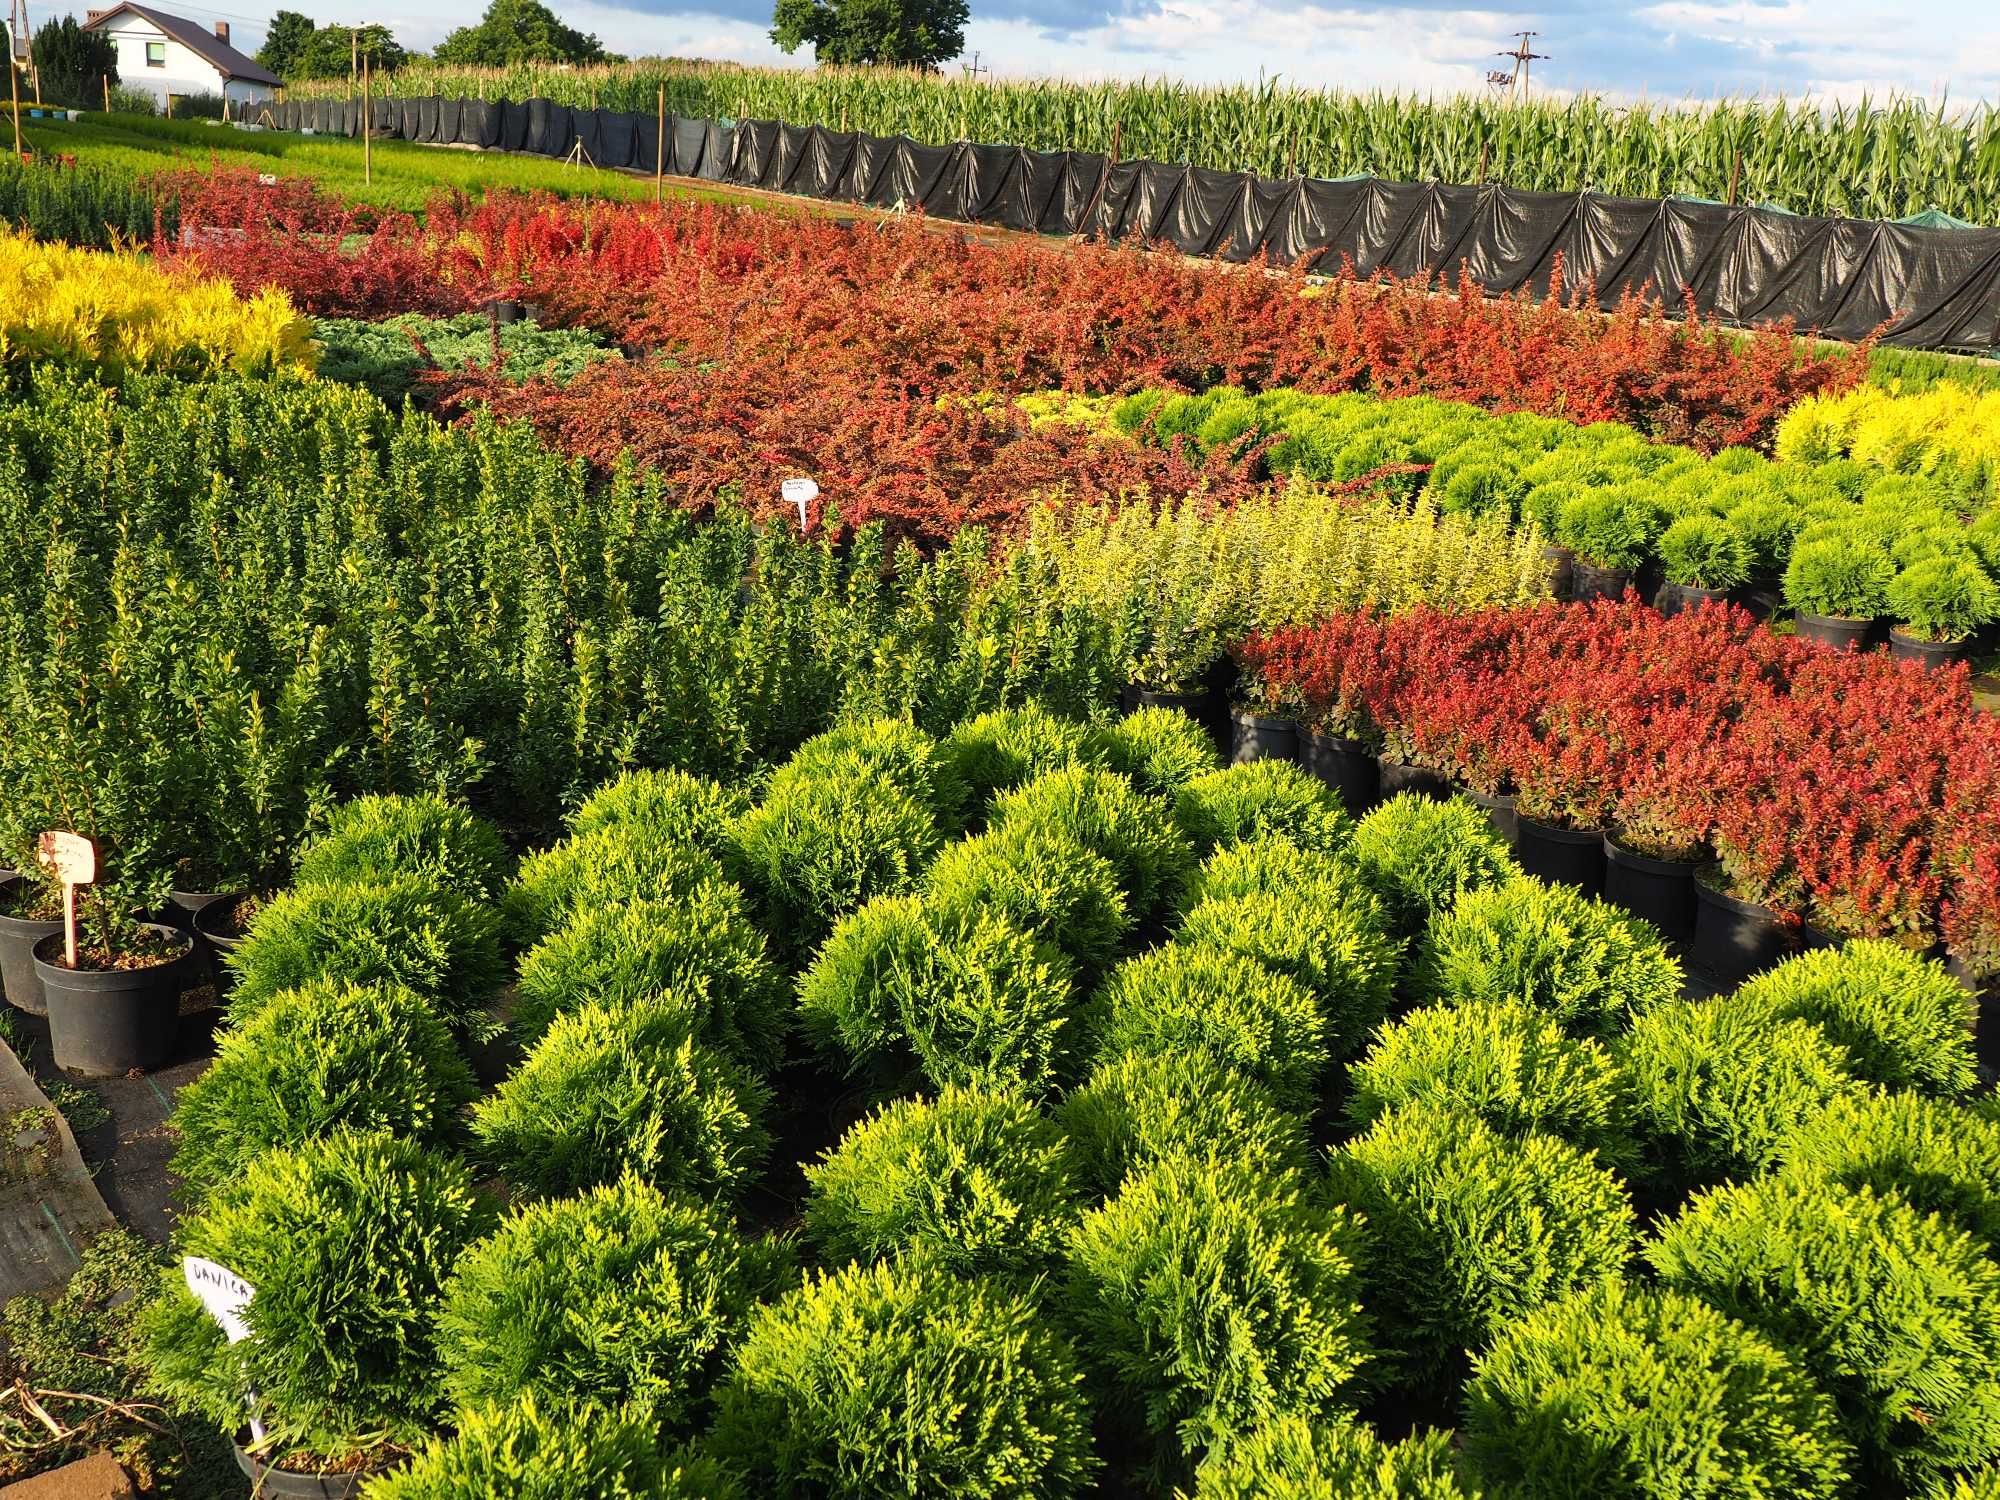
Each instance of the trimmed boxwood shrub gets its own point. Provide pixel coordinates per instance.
(1943, 1158)
(347, 1240)
(610, 1090)
(1905, 1022)
(1101, 810)
(702, 945)
(312, 1060)
(1582, 961)
(973, 1180)
(1178, 997)
(1628, 1392)
(1161, 749)
(1503, 1062)
(408, 931)
(1469, 1229)
(997, 751)
(1211, 1297)
(1289, 1458)
(605, 867)
(1137, 1108)
(522, 1451)
(1897, 1315)
(885, 1379)
(619, 1296)
(1419, 855)
(820, 847)
(1253, 801)
(380, 837)
(674, 805)
(1044, 882)
(1717, 1087)
(891, 751)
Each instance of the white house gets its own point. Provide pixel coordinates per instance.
(164, 55)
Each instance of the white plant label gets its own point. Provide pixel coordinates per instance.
(224, 1294)
(799, 492)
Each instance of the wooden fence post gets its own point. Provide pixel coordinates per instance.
(367, 123)
(660, 153)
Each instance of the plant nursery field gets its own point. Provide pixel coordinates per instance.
(1264, 887)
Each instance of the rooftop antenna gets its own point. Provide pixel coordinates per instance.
(1515, 82)
(973, 70)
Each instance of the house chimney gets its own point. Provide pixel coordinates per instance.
(222, 32)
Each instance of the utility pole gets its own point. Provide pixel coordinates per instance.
(1515, 81)
(973, 70)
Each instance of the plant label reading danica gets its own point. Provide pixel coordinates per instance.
(224, 1295)
(799, 492)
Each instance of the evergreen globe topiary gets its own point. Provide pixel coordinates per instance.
(876, 1380)
(1582, 961)
(1419, 855)
(1140, 1107)
(1161, 749)
(1211, 1297)
(377, 838)
(1262, 798)
(1289, 1458)
(407, 931)
(1501, 1062)
(1272, 866)
(1469, 1229)
(850, 999)
(973, 1180)
(1895, 1314)
(1904, 1021)
(607, 866)
(702, 945)
(1177, 998)
(610, 1090)
(312, 1060)
(1940, 1157)
(1704, 552)
(621, 1296)
(1628, 1392)
(1102, 811)
(1044, 882)
(893, 752)
(997, 751)
(1717, 1087)
(674, 805)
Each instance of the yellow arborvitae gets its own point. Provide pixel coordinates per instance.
(1949, 430)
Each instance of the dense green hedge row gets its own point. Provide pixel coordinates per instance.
(388, 358)
(1162, 1130)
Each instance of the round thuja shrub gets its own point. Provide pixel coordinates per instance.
(877, 1379)
(407, 931)
(1137, 1108)
(1262, 798)
(702, 945)
(621, 1295)
(1904, 1021)
(311, 1060)
(673, 805)
(1896, 1314)
(974, 1180)
(1469, 1229)
(1161, 749)
(1210, 1297)
(1717, 1087)
(1419, 855)
(997, 751)
(1979, 1484)
(1940, 1157)
(604, 867)
(1044, 882)
(1272, 866)
(1289, 1458)
(1177, 997)
(522, 1450)
(892, 751)
(379, 837)
(616, 1089)
(1704, 552)
(1584, 962)
(1635, 1394)
(820, 847)
(849, 999)
(1502, 1062)
(347, 1240)
(1102, 811)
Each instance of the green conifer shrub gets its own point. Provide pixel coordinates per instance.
(607, 866)
(995, 752)
(1261, 798)
(379, 837)
(1044, 882)
(1418, 855)
(674, 805)
(1940, 1157)
(1161, 749)
(892, 751)
(1102, 811)
(1290, 1458)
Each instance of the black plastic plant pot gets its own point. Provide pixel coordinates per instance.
(268, 1479)
(1763, 597)
(18, 936)
(1985, 992)
(1204, 708)
(182, 912)
(1562, 563)
(105, 1024)
(209, 930)
(1261, 737)
(1348, 766)
(1568, 856)
(1675, 597)
(1837, 631)
(1588, 581)
(1660, 890)
(1501, 814)
(1930, 653)
(1395, 777)
(1734, 939)
(504, 310)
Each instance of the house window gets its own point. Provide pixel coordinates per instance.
(156, 54)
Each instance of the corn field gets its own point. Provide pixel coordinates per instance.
(1869, 160)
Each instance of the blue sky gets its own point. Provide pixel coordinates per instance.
(1660, 49)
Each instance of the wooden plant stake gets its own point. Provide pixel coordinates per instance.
(14, 88)
(660, 153)
(72, 859)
